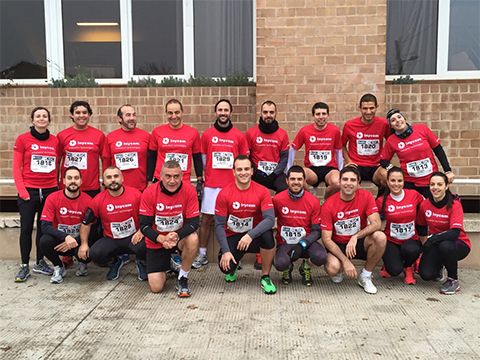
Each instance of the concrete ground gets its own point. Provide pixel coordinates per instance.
(91, 318)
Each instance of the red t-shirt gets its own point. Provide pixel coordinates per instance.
(119, 215)
(415, 154)
(221, 149)
(320, 145)
(128, 150)
(400, 216)
(440, 220)
(175, 144)
(265, 148)
(83, 150)
(169, 211)
(64, 213)
(295, 217)
(365, 142)
(242, 208)
(346, 218)
(38, 165)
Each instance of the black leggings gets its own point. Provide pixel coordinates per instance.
(278, 184)
(422, 190)
(27, 210)
(397, 257)
(447, 254)
(48, 243)
(106, 248)
(315, 252)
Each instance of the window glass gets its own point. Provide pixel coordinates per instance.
(91, 34)
(223, 37)
(22, 45)
(157, 37)
(411, 37)
(464, 42)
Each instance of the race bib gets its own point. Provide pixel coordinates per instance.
(123, 229)
(368, 147)
(181, 159)
(420, 168)
(267, 167)
(348, 227)
(240, 225)
(319, 157)
(169, 223)
(76, 159)
(127, 161)
(72, 230)
(222, 160)
(402, 231)
(42, 164)
(292, 235)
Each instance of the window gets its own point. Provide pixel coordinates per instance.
(22, 45)
(433, 39)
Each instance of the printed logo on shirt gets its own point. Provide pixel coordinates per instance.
(63, 210)
(312, 139)
(285, 210)
(118, 143)
(214, 139)
(34, 147)
(401, 145)
(110, 207)
(160, 207)
(72, 143)
(259, 139)
(359, 135)
(428, 213)
(391, 208)
(340, 215)
(166, 141)
(236, 205)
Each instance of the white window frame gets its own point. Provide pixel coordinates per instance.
(443, 37)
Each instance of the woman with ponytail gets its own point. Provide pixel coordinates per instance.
(441, 232)
(398, 206)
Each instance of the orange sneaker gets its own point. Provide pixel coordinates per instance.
(384, 272)
(258, 262)
(416, 265)
(67, 261)
(409, 278)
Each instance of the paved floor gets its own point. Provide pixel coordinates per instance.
(91, 318)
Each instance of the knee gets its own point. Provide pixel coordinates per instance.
(393, 269)
(332, 265)
(191, 242)
(155, 287)
(447, 247)
(282, 263)
(427, 273)
(47, 242)
(379, 239)
(318, 258)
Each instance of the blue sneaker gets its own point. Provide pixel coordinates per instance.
(114, 269)
(23, 274)
(126, 259)
(142, 271)
(41, 267)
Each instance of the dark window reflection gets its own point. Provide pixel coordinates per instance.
(22, 48)
(157, 37)
(94, 50)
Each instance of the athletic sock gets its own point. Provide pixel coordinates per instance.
(203, 250)
(366, 273)
(183, 273)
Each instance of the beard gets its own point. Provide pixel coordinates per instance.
(113, 186)
(72, 187)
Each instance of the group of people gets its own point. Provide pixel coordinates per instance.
(149, 207)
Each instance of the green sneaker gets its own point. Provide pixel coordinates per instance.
(267, 285)
(231, 277)
(287, 275)
(306, 273)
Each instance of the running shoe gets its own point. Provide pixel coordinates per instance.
(267, 285)
(142, 271)
(409, 278)
(416, 265)
(306, 273)
(126, 259)
(231, 277)
(58, 274)
(257, 265)
(41, 267)
(182, 287)
(337, 279)
(451, 286)
(175, 263)
(67, 261)
(114, 269)
(367, 284)
(82, 269)
(441, 275)
(23, 274)
(200, 260)
(287, 275)
(384, 273)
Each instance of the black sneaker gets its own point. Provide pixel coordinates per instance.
(287, 275)
(182, 287)
(306, 273)
(114, 269)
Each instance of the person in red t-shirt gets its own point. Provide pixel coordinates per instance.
(364, 136)
(35, 176)
(82, 145)
(127, 148)
(323, 150)
(244, 218)
(117, 208)
(398, 206)
(413, 145)
(298, 224)
(442, 234)
(61, 219)
(169, 216)
(221, 144)
(351, 230)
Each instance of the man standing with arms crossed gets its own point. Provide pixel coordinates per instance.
(351, 226)
(244, 218)
(221, 144)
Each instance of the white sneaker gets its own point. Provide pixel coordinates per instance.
(367, 284)
(337, 279)
(82, 269)
(58, 274)
(200, 260)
